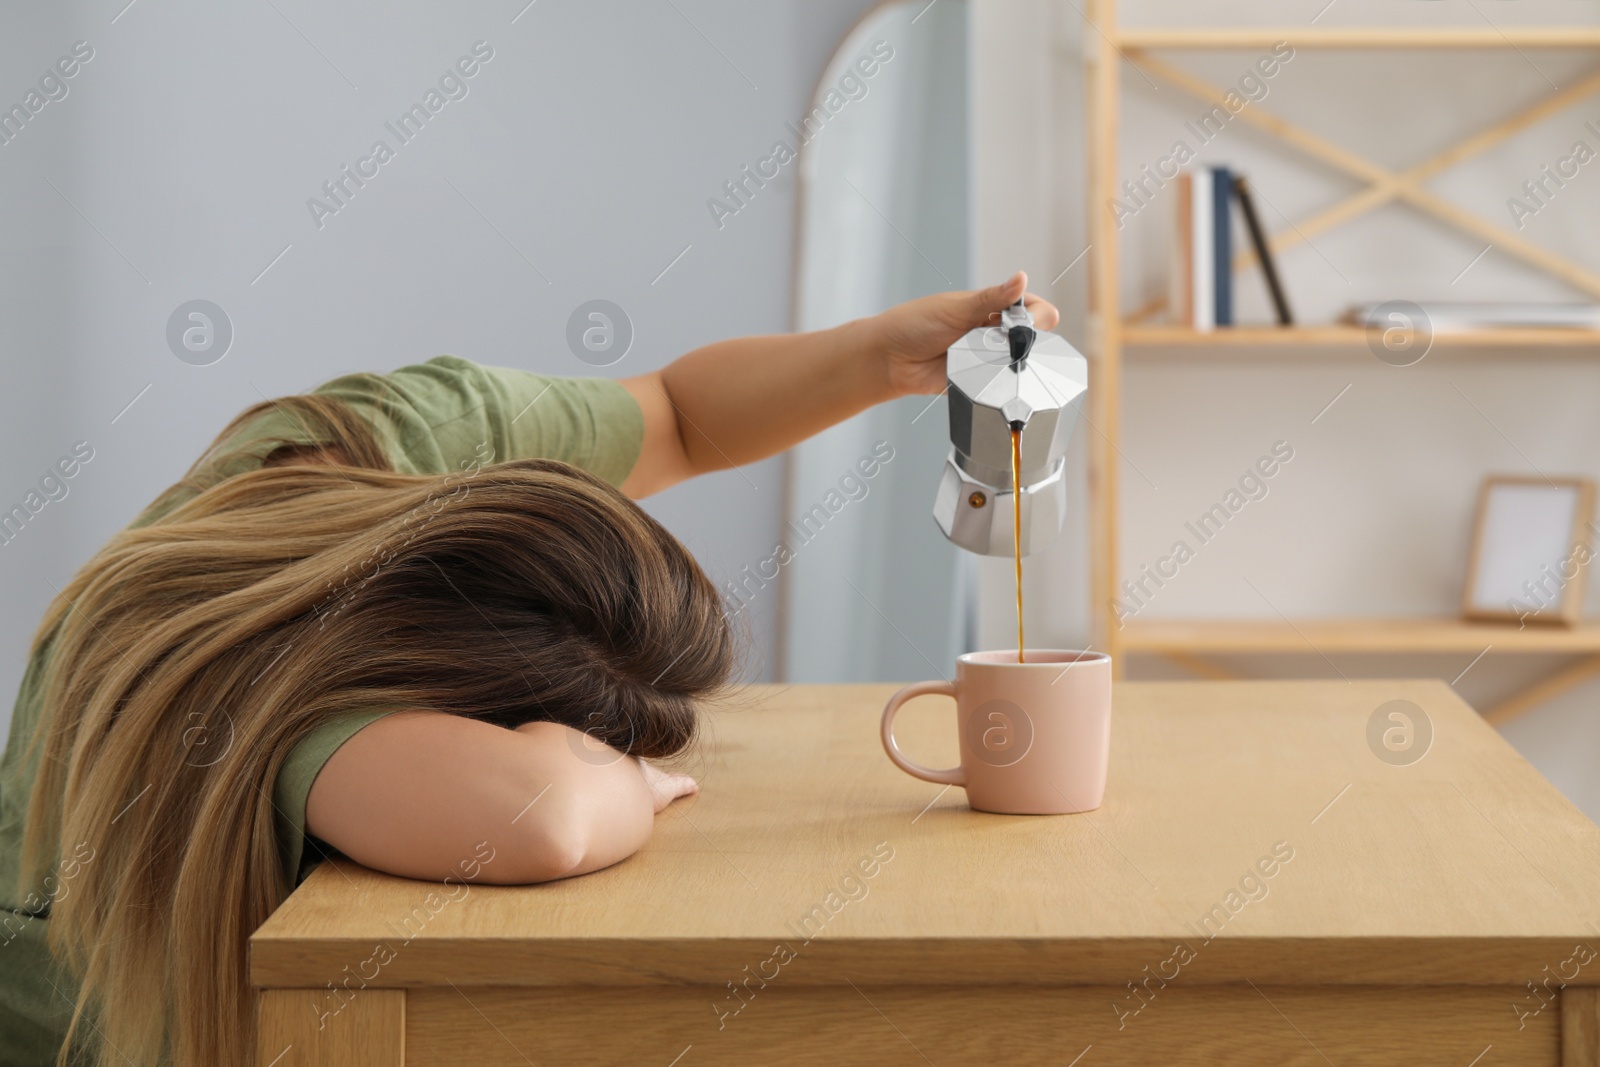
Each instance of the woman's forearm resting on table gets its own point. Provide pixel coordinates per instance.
(417, 793)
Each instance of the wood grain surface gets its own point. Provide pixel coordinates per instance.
(1194, 1026)
(296, 1030)
(1580, 1027)
(1464, 867)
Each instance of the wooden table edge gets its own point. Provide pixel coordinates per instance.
(548, 962)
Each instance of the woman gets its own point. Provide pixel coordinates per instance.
(414, 618)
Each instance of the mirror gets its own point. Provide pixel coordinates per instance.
(870, 589)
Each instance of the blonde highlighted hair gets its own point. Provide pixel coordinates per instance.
(191, 652)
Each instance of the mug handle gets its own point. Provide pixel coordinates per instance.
(952, 776)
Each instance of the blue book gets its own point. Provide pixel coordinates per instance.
(1222, 244)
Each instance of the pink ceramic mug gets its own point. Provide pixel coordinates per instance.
(1035, 736)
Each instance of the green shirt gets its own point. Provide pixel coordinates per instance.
(430, 418)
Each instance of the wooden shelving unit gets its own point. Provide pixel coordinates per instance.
(1359, 37)
(1444, 634)
(1354, 337)
(1190, 641)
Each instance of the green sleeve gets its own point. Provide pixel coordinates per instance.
(437, 416)
(448, 413)
(293, 786)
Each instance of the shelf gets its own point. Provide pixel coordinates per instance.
(1198, 644)
(1360, 37)
(1328, 636)
(1348, 336)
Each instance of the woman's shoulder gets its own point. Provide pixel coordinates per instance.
(448, 412)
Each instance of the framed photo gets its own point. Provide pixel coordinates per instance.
(1530, 550)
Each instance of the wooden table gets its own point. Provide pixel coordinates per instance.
(1434, 911)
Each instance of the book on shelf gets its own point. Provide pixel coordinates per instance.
(1200, 284)
(1258, 238)
(1463, 317)
(1202, 301)
(1222, 245)
(1180, 272)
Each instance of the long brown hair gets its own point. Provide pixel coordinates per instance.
(249, 607)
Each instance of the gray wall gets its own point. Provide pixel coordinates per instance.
(179, 164)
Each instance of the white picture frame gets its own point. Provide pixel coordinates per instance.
(1530, 550)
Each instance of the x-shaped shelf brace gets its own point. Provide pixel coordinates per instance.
(1385, 185)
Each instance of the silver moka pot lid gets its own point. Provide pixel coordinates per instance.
(1001, 378)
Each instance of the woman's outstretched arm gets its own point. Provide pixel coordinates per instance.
(741, 400)
(416, 794)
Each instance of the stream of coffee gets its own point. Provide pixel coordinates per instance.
(1016, 526)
